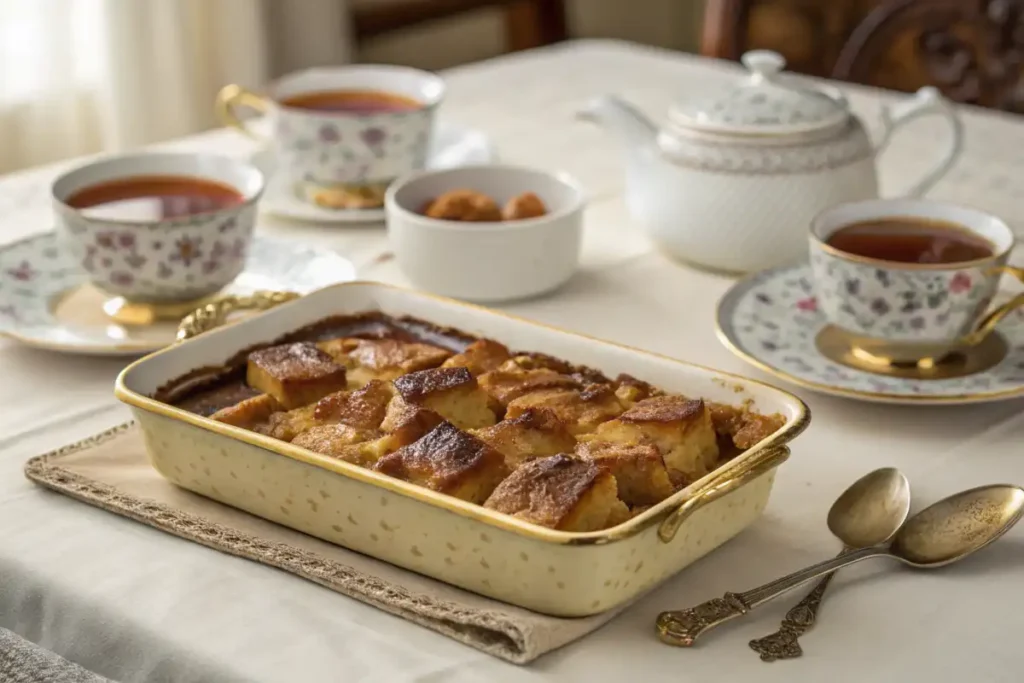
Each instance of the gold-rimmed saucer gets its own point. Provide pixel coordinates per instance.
(46, 302)
(772, 321)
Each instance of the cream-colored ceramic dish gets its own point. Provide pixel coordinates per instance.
(554, 572)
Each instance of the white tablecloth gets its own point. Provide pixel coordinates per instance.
(133, 604)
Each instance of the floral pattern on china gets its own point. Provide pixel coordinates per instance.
(774, 318)
(175, 260)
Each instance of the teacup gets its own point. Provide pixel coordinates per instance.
(898, 312)
(343, 134)
(159, 228)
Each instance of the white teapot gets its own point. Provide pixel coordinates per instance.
(733, 181)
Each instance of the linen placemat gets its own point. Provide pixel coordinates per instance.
(111, 471)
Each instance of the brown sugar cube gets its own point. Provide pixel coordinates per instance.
(536, 433)
(294, 374)
(481, 356)
(383, 359)
(406, 422)
(639, 470)
(580, 411)
(522, 206)
(361, 447)
(559, 492)
(252, 413)
(364, 408)
(452, 393)
(464, 205)
(449, 461)
(678, 427)
(510, 381)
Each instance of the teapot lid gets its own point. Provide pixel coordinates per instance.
(765, 102)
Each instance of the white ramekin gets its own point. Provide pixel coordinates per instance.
(486, 262)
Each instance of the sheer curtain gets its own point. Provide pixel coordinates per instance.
(83, 76)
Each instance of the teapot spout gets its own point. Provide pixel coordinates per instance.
(622, 118)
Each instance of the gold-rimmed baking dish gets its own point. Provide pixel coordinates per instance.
(553, 572)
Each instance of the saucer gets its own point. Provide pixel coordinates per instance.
(771, 320)
(46, 301)
(453, 146)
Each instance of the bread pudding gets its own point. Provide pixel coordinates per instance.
(524, 434)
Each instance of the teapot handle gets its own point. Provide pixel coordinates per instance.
(925, 102)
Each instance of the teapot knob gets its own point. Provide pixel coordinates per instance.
(763, 63)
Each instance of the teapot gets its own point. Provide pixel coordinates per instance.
(732, 181)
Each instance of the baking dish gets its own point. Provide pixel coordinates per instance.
(553, 572)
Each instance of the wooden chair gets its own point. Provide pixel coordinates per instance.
(973, 50)
(528, 23)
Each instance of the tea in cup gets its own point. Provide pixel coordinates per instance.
(910, 281)
(343, 134)
(159, 229)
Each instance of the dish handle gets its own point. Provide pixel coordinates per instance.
(763, 462)
(215, 313)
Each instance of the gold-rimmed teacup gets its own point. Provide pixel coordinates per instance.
(896, 314)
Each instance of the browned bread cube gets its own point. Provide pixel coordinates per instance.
(294, 374)
(452, 393)
(363, 408)
(406, 422)
(560, 492)
(678, 427)
(481, 356)
(743, 427)
(252, 413)
(630, 390)
(639, 469)
(288, 424)
(511, 381)
(536, 433)
(620, 513)
(358, 446)
(449, 461)
(580, 411)
(383, 359)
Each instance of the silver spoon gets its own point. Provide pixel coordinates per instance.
(941, 534)
(868, 513)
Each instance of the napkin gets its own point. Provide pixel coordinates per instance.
(111, 471)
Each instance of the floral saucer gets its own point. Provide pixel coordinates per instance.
(46, 301)
(453, 146)
(772, 321)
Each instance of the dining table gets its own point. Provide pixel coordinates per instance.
(131, 603)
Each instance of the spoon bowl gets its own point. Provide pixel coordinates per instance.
(872, 510)
(944, 533)
(958, 526)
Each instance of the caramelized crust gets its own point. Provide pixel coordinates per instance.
(252, 413)
(406, 422)
(481, 356)
(630, 390)
(364, 408)
(678, 427)
(452, 393)
(449, 461)
(510, 381)
(744, 427)
(560, 492)
(383, 359)
(580, 411)
(536, 433)
(294, 374)
(358, 446)
(639, 470)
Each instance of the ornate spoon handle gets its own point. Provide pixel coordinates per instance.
(683, 627)
(785, 643)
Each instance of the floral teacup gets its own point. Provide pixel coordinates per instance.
(152, 252)
(338, 132)
(913, 313)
